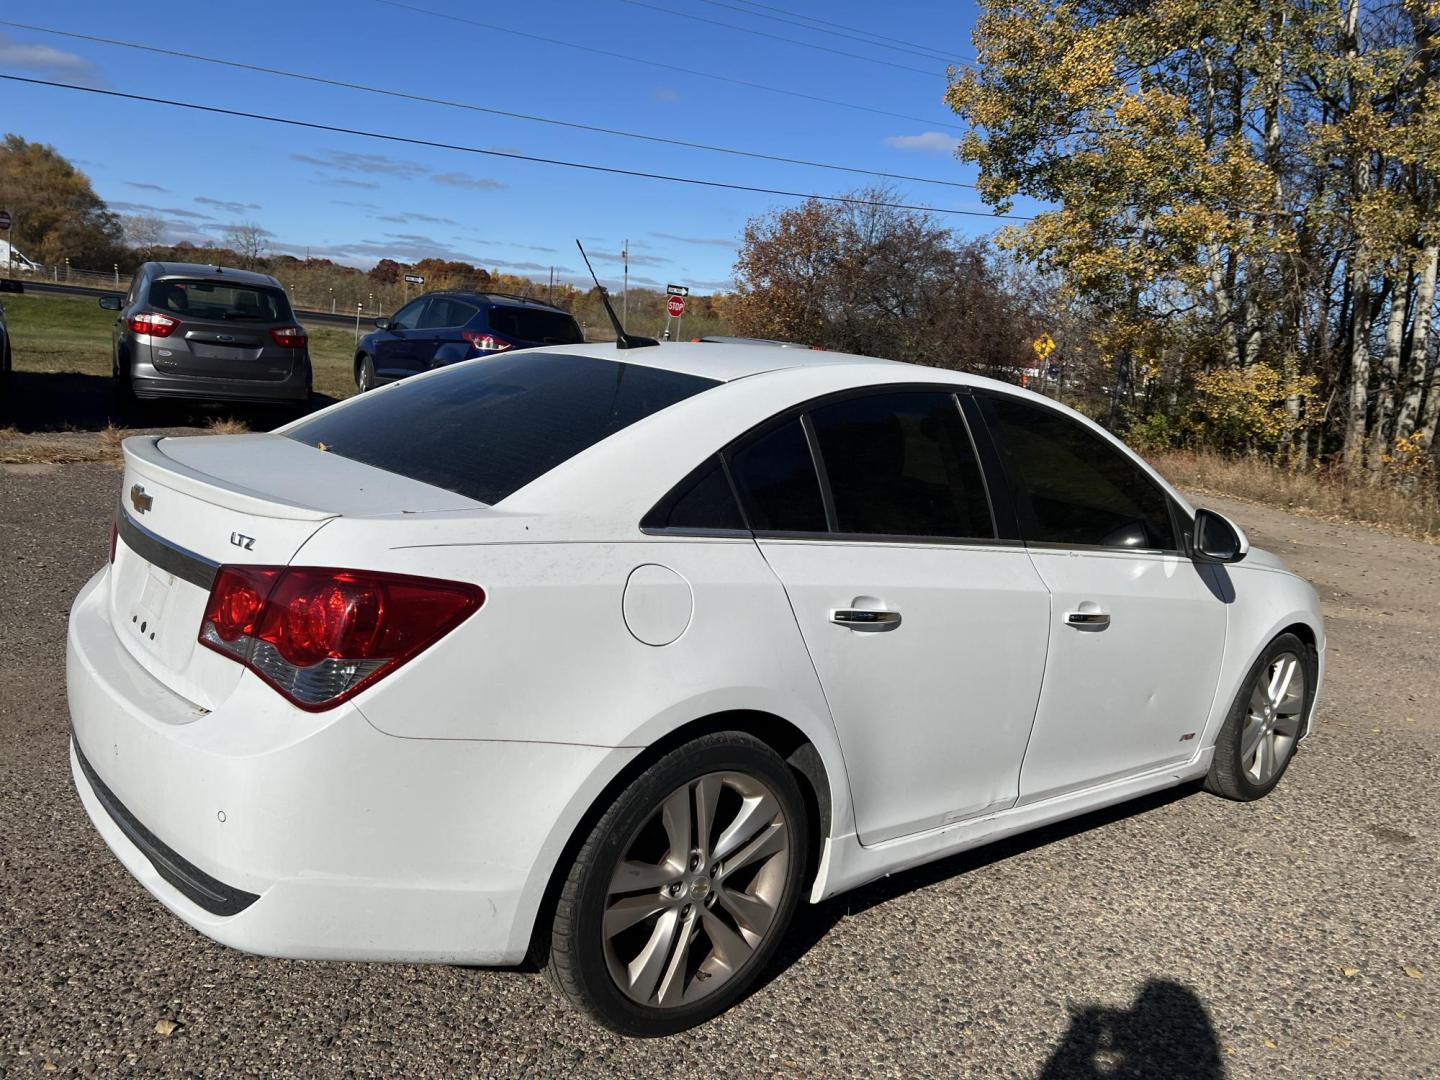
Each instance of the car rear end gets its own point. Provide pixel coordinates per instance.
(225, 336)
(217, 743)
(278, 613)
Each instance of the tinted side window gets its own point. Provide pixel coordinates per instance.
(1077, 488)
(445, 312)
(778, 484)
(901, 464)
(702, 501)
(535, 324)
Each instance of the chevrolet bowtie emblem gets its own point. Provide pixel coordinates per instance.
(140, 500)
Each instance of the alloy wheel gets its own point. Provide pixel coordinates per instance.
(697, 890)
(1272, 723)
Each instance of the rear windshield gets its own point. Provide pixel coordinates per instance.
(535, 324)
(487, 428)
(212, 300)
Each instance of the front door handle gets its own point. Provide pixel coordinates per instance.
(1088, 618)
(862, 619)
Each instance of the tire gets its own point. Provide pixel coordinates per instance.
(608, 921)
(364, 374)
(1258, 739)
(127, 405)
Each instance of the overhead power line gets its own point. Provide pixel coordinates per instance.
(663, 66)
(311, 125)
(815, 26)
(930, 73)
(425, 99)
(831, 27)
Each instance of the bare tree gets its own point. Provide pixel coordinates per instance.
(248, 240)
(143, 232)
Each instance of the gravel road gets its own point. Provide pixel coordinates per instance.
(1182, 936)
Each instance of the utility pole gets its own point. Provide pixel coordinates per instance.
(625, 290)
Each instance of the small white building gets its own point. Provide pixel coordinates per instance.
(10, 257)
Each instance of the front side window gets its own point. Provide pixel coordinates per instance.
(485, 430)
(778, 483)
(1076, 488)
(901, 464)
(408, 317)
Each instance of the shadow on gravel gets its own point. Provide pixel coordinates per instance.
(1165, 1035)
(71, 401)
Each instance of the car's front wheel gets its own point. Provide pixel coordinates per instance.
(683, 889)
(1256, 744)
(365, 374)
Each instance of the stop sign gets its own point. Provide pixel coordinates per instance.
(4, 219)
(675, 306)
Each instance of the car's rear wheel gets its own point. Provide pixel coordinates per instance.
(676, 901)
(365, 374)
(1258, 740)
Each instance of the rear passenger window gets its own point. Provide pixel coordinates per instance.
(901, 464)
(778, 484)
(703, 501)
(445, 312)
(1077, 488)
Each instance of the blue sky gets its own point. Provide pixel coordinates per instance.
(357, 200)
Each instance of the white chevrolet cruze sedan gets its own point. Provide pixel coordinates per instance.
(609, 657)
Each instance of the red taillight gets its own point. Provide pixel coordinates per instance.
(114, 539)
(321, 635)
(153, 323)
(292, 337)
(486, 342)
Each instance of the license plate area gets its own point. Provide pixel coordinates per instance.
(155, 613)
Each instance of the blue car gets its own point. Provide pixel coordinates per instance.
(442, 328)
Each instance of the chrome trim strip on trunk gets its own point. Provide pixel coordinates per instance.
(160, 552)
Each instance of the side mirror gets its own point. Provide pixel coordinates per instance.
(1218, 539)
(382, 324)
(110, 303)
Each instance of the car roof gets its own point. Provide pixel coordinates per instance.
(211, 272)
(726, 362)
(497, 298)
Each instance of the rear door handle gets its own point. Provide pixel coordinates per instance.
(861, 619)
(1094, 618)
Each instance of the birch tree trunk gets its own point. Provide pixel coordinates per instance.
(1390, 367)
(1358, 386)
(1409, 417)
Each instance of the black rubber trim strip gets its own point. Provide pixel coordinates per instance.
(176, 560)
(214, 896)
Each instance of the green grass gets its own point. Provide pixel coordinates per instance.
(53, 334)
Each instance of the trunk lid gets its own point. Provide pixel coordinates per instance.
(223, 350)
(189, 505)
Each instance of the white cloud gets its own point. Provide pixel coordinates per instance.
(465, 180)
(45, 60)
(931, 142)
(665, 94)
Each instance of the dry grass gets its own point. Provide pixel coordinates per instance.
(227, 425)
(1415, 514)
(61, 447)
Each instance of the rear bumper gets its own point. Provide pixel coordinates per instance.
(315, 835)
(294, 390)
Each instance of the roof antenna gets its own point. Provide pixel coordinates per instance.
(622, 339)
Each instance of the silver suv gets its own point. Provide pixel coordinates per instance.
(208, 333)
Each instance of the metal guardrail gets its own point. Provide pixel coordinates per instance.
(41, 284)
